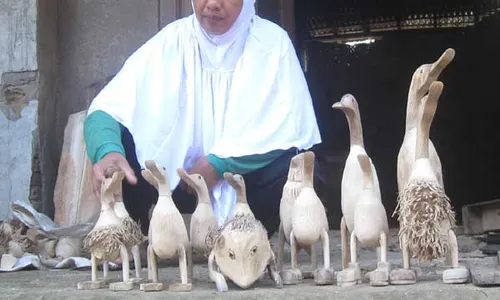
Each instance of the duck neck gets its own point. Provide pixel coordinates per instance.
(355, 128)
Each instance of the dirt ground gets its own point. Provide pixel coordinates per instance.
(62, 284)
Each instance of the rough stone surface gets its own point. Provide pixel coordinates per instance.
(18, 36)
(17, 138)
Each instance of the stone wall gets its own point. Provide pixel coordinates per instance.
(18, 101)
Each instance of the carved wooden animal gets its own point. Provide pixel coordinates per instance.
(291, 191)
(310, 224)
(105, 240)
(241, 252)
(238, 183)
(168, 236)
(203, 219)
(419, 86)
(364, 216)
(425, 214)
(133, 235)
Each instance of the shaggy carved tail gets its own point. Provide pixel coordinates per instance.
(423, 207)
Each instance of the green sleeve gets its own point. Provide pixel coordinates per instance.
(102, 134)
(244, 164)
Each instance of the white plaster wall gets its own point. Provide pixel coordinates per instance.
(18, 48)
(18, 35)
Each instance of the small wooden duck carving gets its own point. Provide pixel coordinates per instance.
(310, 224)
(133, 238)
(203, 219)
(425, 214)
(291, 191)
(238, 183)
(364, 215)
(168, 236)
(106, 240)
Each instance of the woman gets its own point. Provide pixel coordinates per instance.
(220, 90)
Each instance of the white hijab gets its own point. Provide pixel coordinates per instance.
(236, 94)
(222, 50)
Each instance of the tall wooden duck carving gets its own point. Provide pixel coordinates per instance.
(203, 220)
(425, 214)
(310, 224)
(419, 86)
(364, 215)
(168, 236)
(291, 191)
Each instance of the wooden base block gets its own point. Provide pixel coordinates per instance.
(121, 286)
(92, 285)
(152, 287)
(180, 287)
(291, 276)
(403, 277)
(323, 276)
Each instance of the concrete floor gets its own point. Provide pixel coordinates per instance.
(52, 284)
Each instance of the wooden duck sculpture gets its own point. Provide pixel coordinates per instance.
(105, 240)
(310, 224)
(133, 238)
(291, 191)
(167, 236)
(203, 219)
(238, 183)
(364, 216)
(425, 214)
(419, 86)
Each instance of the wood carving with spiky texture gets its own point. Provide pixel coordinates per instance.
(106, 240)
(424, 210)
(240, 251)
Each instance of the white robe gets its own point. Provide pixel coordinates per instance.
(179, 105)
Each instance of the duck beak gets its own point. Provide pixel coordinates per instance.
(337, 105)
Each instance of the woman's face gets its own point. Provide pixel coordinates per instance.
(217, 16)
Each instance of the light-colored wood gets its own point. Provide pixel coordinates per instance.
(241, 252)
(364, 217)
(168, 236)
(309, 221)
(425, 214)
(419, 86)
(106, 240)
(74, 201)
(291, 191)
(134, 238)
(238, 183)
(203, 218)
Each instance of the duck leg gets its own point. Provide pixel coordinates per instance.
(324, 276)
(352, 274)
(404, 275)
(380, 276)
(184, 286)
(281, 247)
(154, 285)
(457, 274)
(215, 276)
(137, 261)
(344, 244)
(292, 276)
(126, 284)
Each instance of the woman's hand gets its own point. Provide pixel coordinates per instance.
(111, 161)
(205, 169)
